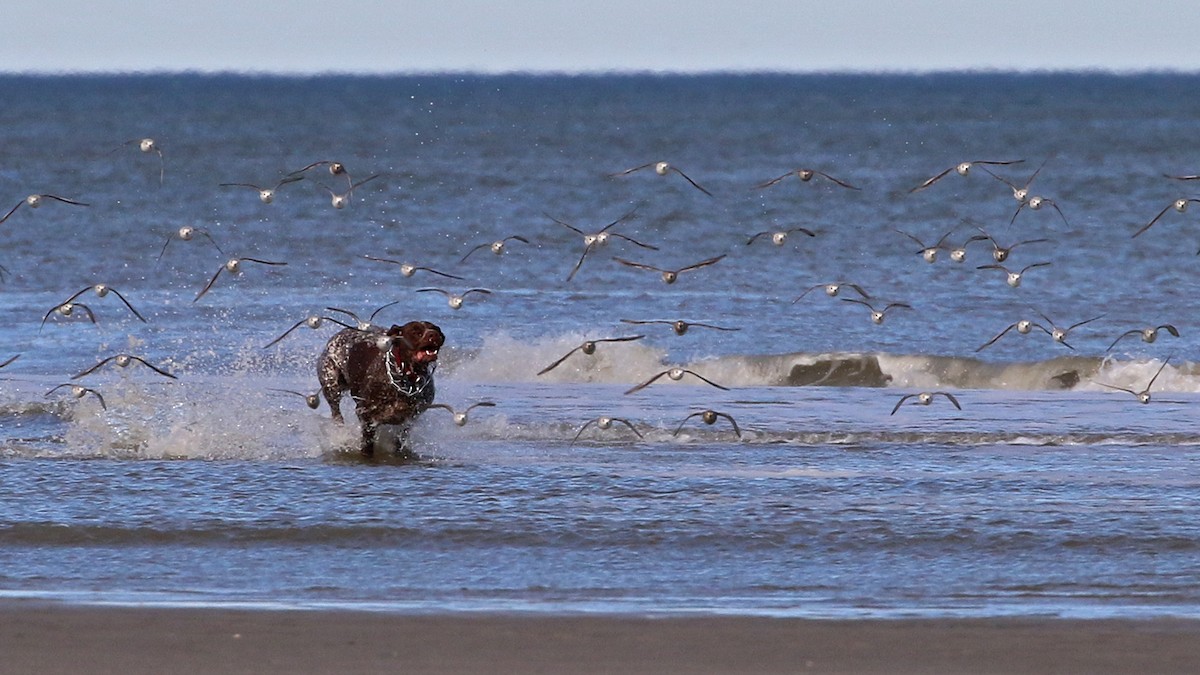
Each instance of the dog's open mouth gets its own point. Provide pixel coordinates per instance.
(426, 355)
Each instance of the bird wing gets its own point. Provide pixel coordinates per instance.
(768, 184)
(626, 172)
(12, 211)
(1135, 234)
(262, 262)
(694, 183)
(362, 183)
(582, 428)
(210, 283)
(704, 263)
(1122, 336)
(627, 338)
(299, 323)
(709, 325)
(153, 367)
(901, 402)
(64, 200)
(562, 358)
(997, 337)
(586, 249)
(122, 298)
(91, 370)
(695, 374)
(930, 181)
(631, 240)
(835, 180)
(641, 266)
(680, 427)
(737, 430)
(647, 383)
(950, 397)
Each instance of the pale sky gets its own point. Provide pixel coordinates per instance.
(365, 36)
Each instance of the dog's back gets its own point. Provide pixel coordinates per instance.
(334, 362)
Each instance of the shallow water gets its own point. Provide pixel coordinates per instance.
(1047, 493)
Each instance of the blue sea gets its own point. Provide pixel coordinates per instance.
(1034, 483)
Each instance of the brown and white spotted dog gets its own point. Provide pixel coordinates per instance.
(389, 374)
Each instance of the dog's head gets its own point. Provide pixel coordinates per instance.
(419, 342)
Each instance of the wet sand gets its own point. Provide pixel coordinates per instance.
(52, 638)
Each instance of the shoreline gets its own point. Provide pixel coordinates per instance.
(63, 638)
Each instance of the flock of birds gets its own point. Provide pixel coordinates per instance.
(592, 241)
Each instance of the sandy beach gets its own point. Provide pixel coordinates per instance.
(51, 638)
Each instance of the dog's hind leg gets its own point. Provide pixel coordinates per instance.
(332, 385)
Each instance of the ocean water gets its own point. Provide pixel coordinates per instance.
(1047, 490)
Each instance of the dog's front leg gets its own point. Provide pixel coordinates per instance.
(402, 450)
(369, 432)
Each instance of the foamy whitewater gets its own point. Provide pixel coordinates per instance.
(1053, 491)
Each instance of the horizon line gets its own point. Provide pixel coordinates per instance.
(618, 72)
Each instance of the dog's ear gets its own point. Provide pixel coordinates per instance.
(395, 330)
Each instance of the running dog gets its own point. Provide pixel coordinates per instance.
(389, 374)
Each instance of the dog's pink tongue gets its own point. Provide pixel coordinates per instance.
(425, 356)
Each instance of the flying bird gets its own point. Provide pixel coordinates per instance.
(710, 417)
(670, 276)
(497, 247)
(929, 253)
(102, 290)
(1013, 278)
(1180, 205)
(1143, 396)
(187, 233)
(339, 200)
(962, 169)
(460, 418)
(779, 237)
(925, 398)
(123, 360)
(1019, 192)
(594, 240)
(78, 391)
(588, 347)
(1024, 327)
(1034, 203)
(1148, 335)
(67, 309)
(605, 423)
(35, 201)
(805, 175)
(878, 315)
(335, 169)
(455, 300)
(679, 326)
(311, 400)
(148, 145)
(675, 374)
(359, 323)
(1001, 253)
(662, 169)
(233, 266)
(1060, 334)
(266, 194)
(832, 289)
(408, 269)
(314, 322)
